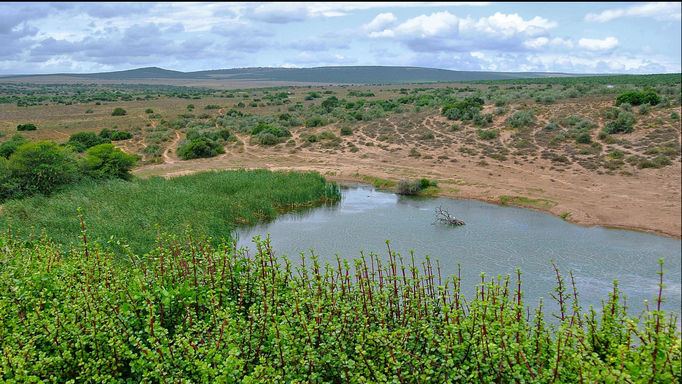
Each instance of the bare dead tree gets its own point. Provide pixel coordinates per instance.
(443, 217)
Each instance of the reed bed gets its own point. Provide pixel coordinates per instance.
(213, 203)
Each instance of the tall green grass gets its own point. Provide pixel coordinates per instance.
(213, 203)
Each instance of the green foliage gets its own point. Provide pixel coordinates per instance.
(267, 138)
(488, 135)
(222, 315)
(312, 139)
(106, 161)
(41, 168)
(674, 116)
(330, 103)
(89, 110)
(413, 187)
(644, 109)
(521, 119)
(148, 110)
(583, 138)
(457, 110)
(346, 131)
(326, 135)
(121, 135)
(624, 124)
(153, 150)
(212, 106)
(7, 148)
(637, 98)
(316, 121)
(26, 127)
(80, 141)
(118, 111)
(201, 147)
(266, 128)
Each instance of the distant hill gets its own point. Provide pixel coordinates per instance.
(329, 75)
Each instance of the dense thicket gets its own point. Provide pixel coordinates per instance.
(197, 314)
(44, 168)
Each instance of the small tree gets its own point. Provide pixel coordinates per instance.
(106, 161)
(118, 111)
(42, 167)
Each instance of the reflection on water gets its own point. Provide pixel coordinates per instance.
(496, 240)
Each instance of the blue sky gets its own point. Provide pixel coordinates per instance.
(546, 37)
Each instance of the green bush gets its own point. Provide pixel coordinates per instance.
(42, 168)
(89, 110)
(121, 135)
(409, 187)
(644, 109)
(148, 110)
(118, 111)
(346, 131)
(624, 124)
(106, 161)
(311, 139)
(637, 98)
(7, 148)
(80, 141)
(267, 138)
(26, 127)
(521, 119)
(584, 138)
(326, 135)
(201, 147)
(212, 106)
(153, 150)
(318, 121)
(488, 135)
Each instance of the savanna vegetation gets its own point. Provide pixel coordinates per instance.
(130, 294)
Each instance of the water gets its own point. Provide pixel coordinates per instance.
(496, 240)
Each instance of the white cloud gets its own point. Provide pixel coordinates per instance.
(660, 10)
(561, 43)
(381, 22)
(509, 24)
(538, 43)
(439, 23)
(598, 45)
(443, 31)
(278, 13)
(332, 9)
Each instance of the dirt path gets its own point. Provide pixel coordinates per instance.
(172, 147)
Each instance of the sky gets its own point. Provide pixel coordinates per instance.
(590, 37)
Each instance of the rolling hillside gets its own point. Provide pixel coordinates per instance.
(328, 75)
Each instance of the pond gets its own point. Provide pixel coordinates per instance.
(496, 240)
